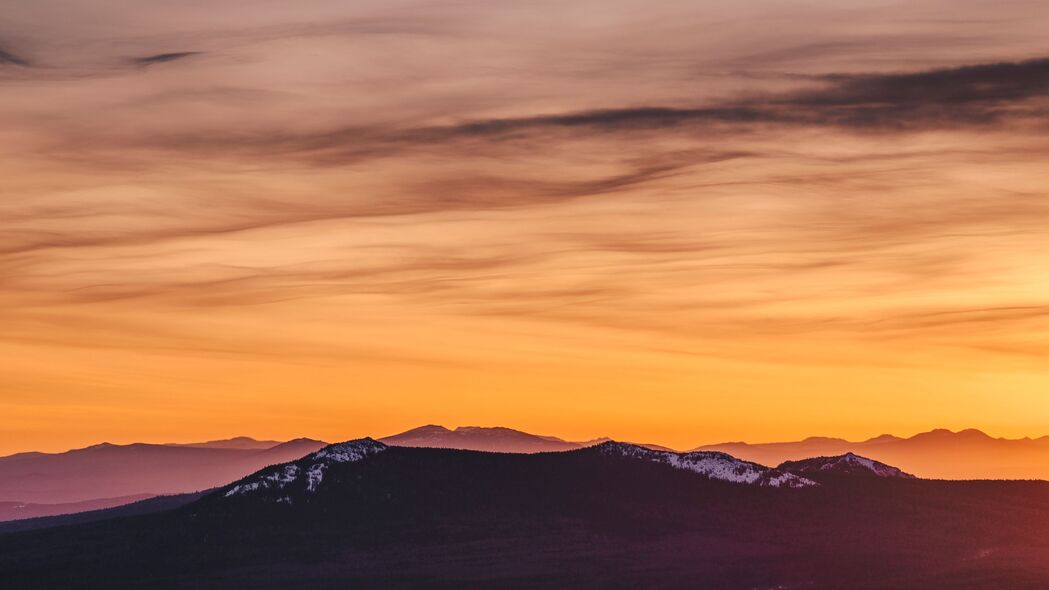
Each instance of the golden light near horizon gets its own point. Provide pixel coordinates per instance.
(348, 220)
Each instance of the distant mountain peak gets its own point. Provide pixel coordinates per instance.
(971, 434)
(712, 464)
(484, 429)
(847, 464)
(301, 441)
(883, 438)
(306, 474)
(236, 442)
(436, 428)
(479, 438)
(348, 452)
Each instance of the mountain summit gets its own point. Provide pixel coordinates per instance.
(849, 464)
(304, 475)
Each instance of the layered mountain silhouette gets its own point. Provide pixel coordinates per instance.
(21, 510)
(288, 482)
(110, 471)
(364, 514)
(941, 454)
(39, 484)
(146, 506)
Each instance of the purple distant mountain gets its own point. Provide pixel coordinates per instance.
(495, 439)
(22, 510)
(110, 471)
(239, 442)
(478, 438)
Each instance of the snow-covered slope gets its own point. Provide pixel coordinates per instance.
(712, 464)
(299, 480)
(306, 474)
(847, 464)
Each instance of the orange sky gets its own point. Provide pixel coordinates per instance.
(679, 223)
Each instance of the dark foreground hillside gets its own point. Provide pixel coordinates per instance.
(432, 518)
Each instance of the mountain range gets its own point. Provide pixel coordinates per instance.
(364, 514)
(110, 471)
(939, 454)
(106, 475)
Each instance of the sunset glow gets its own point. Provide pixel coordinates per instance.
(656, 223)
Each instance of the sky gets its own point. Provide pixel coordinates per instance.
(679, 222)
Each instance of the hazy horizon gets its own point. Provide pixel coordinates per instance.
(356, 435)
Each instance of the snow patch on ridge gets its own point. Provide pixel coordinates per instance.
(712, 464)
(348, 452)
(849, 463)
(308, 471)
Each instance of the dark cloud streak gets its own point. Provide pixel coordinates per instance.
(997, 82)
(161, 58)
(932, 98)
(9, 58)
(937, 99)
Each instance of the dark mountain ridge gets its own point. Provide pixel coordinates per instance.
(392, 517)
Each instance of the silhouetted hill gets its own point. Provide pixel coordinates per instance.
(135, 508)
(364, 515)
(21, 510)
